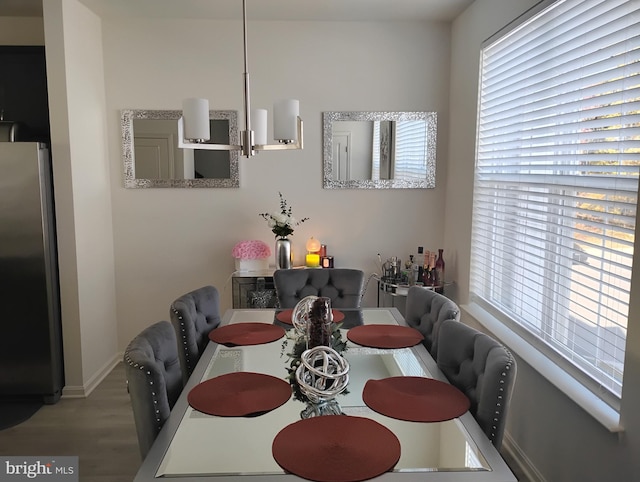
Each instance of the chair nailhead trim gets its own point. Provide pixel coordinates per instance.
(184, 340)
(133, 364)
(498, 412)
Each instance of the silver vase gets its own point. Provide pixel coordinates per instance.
(283, 253)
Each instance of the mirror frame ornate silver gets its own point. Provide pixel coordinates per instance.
(130, 181)
(327, 149)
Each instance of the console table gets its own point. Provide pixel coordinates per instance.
(253, 289)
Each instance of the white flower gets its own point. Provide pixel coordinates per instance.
(282, 222)
(280, 218)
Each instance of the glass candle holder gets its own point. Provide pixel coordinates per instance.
(312, 260)
(327, 261)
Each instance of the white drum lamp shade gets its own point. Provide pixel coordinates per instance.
(196, 119)
(259, 124)
(285, 120)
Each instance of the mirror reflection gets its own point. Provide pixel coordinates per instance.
(379, 150)
(152, 157)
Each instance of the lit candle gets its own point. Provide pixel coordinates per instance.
(313, 260)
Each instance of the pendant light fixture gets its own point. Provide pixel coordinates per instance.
(193, 126)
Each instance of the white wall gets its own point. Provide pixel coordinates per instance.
(170, 241)
(82, 191)
(561, 440)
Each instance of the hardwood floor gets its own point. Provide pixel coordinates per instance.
(98, 429)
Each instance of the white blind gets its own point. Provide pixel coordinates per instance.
(411, 150)
(375, 149)
(555, 195)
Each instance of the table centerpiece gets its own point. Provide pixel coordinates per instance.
(316, 369)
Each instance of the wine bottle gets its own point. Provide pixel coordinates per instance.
(420, 263)
(439, 271)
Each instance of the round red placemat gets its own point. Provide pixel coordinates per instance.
(246, 334)
(385, 336)
(336, 448)
(239, 394)
(285, 316)
(416, 399)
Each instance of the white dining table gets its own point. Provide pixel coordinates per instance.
(193, 446)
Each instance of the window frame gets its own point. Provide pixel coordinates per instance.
(607, 404)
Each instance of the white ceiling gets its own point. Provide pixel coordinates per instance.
(348, 10)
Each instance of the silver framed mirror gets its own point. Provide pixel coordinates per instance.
(379, 150)
(152, 159)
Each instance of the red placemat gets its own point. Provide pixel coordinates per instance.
(239, 394)
(336, 448)
(385, 336)
(246, 334)
(285, 316)
(416, 399)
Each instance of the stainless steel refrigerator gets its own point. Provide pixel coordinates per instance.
(31, 363)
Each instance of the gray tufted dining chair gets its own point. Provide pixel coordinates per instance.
(342, 285)
(425, 311)
(193, 316)
(483, 369)
(154, 380)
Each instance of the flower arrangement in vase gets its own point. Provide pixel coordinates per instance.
(282, 224)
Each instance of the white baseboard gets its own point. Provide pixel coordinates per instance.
(83, 391)
(526, 471)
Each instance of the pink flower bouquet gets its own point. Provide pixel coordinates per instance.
(251, 255)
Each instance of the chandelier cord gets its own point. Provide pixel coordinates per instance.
(247, 102)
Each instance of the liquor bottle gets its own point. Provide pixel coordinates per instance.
(439, 271)
(409, 270)
(426, 276)
(419, 262)
(432, 268)
(427, 279)
(426, 272)
(415, 272)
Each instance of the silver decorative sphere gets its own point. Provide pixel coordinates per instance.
(322, 374)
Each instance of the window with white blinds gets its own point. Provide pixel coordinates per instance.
(556, 184)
